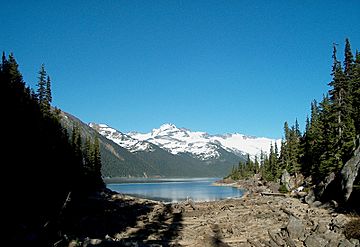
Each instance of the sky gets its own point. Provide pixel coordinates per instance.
(214, 66)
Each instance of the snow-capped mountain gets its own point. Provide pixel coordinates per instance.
(180, 140)
(123, 140)
(242, 144)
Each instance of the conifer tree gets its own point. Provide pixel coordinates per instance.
(88, 153)
(329, 157)
(48, 96)
(77, 143)
(97, 163)
(41, 85)
(256, 165)
(349, 59)
(356, 94)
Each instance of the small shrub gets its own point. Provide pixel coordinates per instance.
(352, 229)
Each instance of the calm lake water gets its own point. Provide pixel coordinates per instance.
(175, 190)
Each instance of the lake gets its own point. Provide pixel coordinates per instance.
(175, 190)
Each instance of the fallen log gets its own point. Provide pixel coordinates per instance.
(272, 194)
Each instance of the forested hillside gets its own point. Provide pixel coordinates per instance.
(120, 162)
(331, 135)
(45, 167)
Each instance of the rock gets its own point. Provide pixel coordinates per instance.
(354, 241)
(92, 242)
(346, 243)
(254, 243)
(288, 240)
(324, 189)
(302, 194)
(295, 228)
(316, 204)
(287, 180)
(334, 204)
(338, 223)
(310, 197)
(349, 173)
(73, 243)
(315, 241)
(333, 239)
(299, 179)
(322, 227)
(276, 238)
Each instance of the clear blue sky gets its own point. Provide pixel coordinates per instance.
(216, 66)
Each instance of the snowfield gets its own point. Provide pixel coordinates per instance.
(180, 140)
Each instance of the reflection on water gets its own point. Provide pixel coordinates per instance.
(175, 190)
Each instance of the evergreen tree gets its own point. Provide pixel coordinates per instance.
(88, 153)
(329, 157)
(356, 94)
(341, 106)
(97, 163)
(48, 97)
(47, 158)
(349, 59)
(77, 143)
(256, 165)
(44, 91)
(41, 85)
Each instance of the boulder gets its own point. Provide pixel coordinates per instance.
(338, 223)
(322, 227)
(295, 228)
(349, 173)
(287, 180)
(310, 197)
(346, 243)
(315, 241)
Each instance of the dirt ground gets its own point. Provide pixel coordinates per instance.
(253, 220)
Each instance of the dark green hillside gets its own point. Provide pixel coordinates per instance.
(119, 162)
(37, 155)
(225, 164)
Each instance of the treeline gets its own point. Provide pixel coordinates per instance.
(45, 167)
(331, 134)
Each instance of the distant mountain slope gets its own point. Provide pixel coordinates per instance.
(116, 161)
(141, 158)
(201, 144)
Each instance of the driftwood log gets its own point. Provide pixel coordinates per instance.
(272, 194)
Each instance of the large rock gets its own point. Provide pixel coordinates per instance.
(315, 241)
(310, 197)
(349, 173)
(339, 186)
(287, 180)
(295, 228)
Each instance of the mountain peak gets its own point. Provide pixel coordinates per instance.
(180, 140)
(167, 126)
(123, 140)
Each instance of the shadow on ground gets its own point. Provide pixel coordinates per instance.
(108, 220)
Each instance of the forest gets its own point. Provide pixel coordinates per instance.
(331, 134)
(46, 167)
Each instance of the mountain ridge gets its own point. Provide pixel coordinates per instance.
(200, 144)
(118, 161)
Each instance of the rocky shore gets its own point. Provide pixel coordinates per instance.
(259, 218)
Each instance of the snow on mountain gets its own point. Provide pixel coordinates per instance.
(123, 140)
(201, 144)
(242, 144)
(180, 140)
